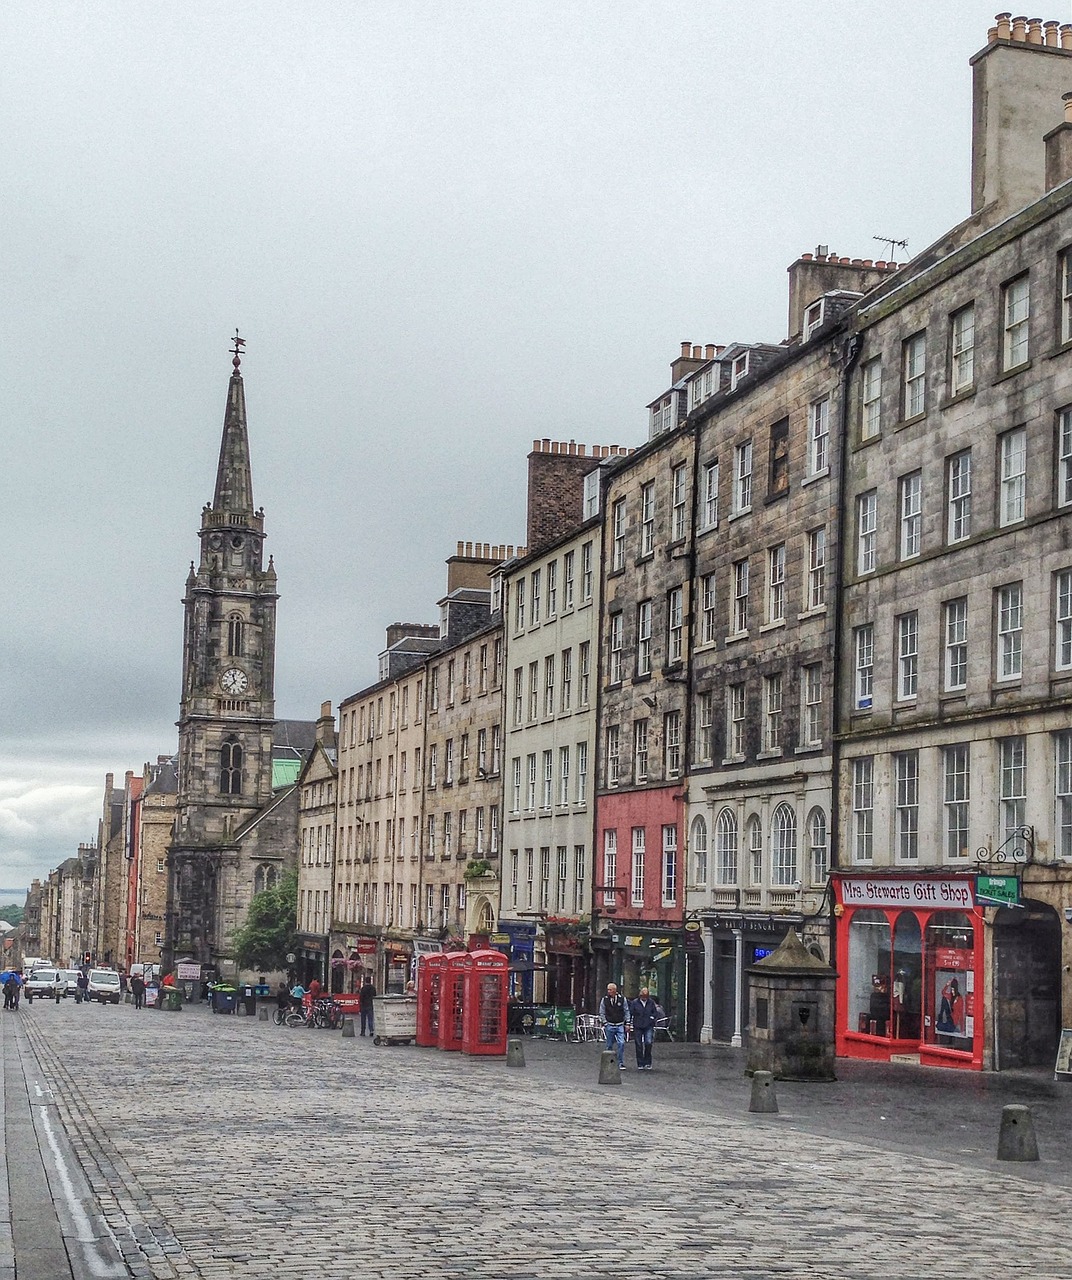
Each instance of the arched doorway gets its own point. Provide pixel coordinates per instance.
(1027, 985)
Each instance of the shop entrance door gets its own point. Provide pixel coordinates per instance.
(724, 979)
(1027, 985)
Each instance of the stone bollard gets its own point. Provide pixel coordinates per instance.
(1016, 1139)
(347, 1028)
(764, 1100)
(263, 1013)
(515, 1053)
(608, 1068)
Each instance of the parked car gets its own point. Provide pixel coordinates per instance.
(104, 986)
(72, 976)
(45, 982)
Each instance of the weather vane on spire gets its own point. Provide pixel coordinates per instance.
(239, 343)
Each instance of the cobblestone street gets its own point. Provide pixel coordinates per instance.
(226, 1146)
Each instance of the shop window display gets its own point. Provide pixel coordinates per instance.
(949, 1020)
(869, 950)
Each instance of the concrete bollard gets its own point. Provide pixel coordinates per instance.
(1016, 1139)
(608, 1068)
(264, 1013)
(347, 1028)
(764, 1099)
(515, 1053)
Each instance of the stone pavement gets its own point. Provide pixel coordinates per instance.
(227, 1147)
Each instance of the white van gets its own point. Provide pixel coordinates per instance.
(104, 986)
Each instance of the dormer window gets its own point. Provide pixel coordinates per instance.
(662, 415)
(591, 495)
(703, 385)
(814, 317)
(739, 369)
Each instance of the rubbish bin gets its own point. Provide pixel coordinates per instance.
(224, 999)
(249, 1001)
(172, 999)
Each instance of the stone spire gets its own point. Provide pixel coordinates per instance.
(234, 481)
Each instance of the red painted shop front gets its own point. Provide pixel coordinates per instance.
(910, 969)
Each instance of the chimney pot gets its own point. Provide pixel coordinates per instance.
(1066, 35)
(867, 262)
(807, 257)
(857, 262)
(1003, 29)
(1019, 29)
(1034, 31)
(1051, 36)
(685, 348)
(821, 250)
(709, 351)
(697, 353)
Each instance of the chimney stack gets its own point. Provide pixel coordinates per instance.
(1059, 148)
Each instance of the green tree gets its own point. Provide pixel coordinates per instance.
(270, 931)
(12, 913)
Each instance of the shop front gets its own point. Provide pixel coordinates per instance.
(311, 958)
(567, 962)
(735, 943)
(516, 939)
(397, 963)
(910, 969)
(642, 957)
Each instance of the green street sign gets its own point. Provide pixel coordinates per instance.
(998, 891)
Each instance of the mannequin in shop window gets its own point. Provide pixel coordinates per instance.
(950, 1010)
(879, 1008)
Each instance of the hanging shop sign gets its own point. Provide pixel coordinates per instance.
(998, 891)
(897, 891)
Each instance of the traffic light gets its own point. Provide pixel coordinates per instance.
(87, 958)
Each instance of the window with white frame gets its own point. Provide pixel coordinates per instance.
(914, 376)
(584, 665)
(956, 795)
(907, 631)
(1063, 789)
(566, 669)
(784, 846)
(1013, 478)
(738, 370)
(674, 625)
(548, 779)
(582, 773)
(705, 724)
(433, 764)
(1012, 793)
(726, 847)
(530, 796)
(871, 398)
(772, 712)
(569, 570)
(911, 505)
(534, 602)
(519, 695)
(636, 896)
(755, 850)
(698, 844)
(866, 531)
(1016, 310)
(709, 509)
(617, 525)
(1010, 620)
(679, 511)
(580, 875)
(672, 744)
(586, 572)
(515, 806)
(545, 877)
(448, 763)
(534, 690)
(959, 471)
(708, 601)
(818, 436)
(669, 865)
(590, 506)
(863, 809)
(549, 685)
(962, 349)
(617, 643)
(740, 597)
(519, 605)
(481, 828)
(813, 318)
(613, 740)
(863, 646)
(1065, 302)
(1064, 457)
(448, 835)
(742, 477)
(643, 638)
(955, 644)
(552, 588)
(647, 518)
(776, 583)
(906, 805)
(811, 704)
(563, 776)
(640, 750)
(818, 846)
(562, 877)
(815, 583)
(735, 720)
(1062, 648)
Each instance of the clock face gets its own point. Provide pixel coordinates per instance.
(234, 680)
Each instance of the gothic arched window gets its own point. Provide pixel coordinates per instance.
(784, 846)
(265, 877)
(699, 849)
(235, 635)
(726, 847)
(231, 767)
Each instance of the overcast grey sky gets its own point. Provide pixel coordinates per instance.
(444, 230)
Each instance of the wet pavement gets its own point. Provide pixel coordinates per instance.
(208, 1146)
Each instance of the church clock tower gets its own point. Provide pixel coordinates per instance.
(227, 709)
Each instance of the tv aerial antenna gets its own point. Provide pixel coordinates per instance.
(893, 244)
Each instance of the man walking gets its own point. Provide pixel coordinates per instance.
(614, 1015)
(137, 990)
(645, 1013)
(366, 996)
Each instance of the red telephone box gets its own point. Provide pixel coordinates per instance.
(429, 978)
(451, 997)
(487, 978)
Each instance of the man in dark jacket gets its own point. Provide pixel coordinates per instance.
(137, 990)
(365, 998)
(614, 1015)
(645, 1013)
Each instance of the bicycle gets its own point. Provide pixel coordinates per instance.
(280, 1015)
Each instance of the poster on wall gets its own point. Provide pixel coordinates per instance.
(949, 1003)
